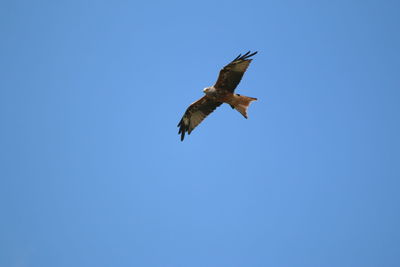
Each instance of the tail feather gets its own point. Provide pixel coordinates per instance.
(241, 103)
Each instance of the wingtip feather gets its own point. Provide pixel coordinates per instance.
(246, 56)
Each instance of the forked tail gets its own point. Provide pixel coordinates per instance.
(241, 103)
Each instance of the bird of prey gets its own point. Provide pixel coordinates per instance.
(221, 92)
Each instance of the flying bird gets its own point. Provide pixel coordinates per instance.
(221, 92)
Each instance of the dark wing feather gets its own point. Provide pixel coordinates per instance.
(195, 114)
(230, 76)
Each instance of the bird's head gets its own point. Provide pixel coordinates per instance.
(209, 90)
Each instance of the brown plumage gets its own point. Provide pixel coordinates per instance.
(222, 92)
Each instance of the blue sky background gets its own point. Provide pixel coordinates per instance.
(93, 172)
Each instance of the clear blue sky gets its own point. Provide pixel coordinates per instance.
(92, 169)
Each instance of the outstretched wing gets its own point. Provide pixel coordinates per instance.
(230, 76)
(195, 114)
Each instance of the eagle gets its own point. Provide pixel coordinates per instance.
(221, 92)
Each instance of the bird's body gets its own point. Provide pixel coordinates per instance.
(222, 92)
